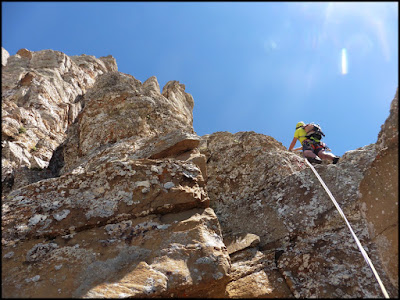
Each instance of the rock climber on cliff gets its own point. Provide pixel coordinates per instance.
(310, 136)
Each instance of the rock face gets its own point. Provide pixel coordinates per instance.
(121, 198)
(42, 94)
(379, 189)
(127, 214)
(257, 187)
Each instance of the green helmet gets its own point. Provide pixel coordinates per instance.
(300, 124)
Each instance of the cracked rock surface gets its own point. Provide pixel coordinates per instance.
(110, 193)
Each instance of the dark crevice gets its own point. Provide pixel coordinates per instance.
(383, 230)
(278, 254)
(7, 184)
(293, 238)
(57, 161)
(32, 175)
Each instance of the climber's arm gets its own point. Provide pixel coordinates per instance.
(292, 144)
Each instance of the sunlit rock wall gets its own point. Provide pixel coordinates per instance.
(109, 192)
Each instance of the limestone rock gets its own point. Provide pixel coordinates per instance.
(41, 96)
(179, 254)
(151, 87)
(117, 109)
(239, 242)
(131, 188)
(255, 275)
(127, 214)
(25, 53)
(240, 166)
(379, 191)
(388, 137)
(4, 56)
(121, 118)
(176, 144)
(110, 63)
(180, 100)
(256, 186)
(121, 228)
(110, 193)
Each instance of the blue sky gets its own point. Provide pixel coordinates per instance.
(250, 66)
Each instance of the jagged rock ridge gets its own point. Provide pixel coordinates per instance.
(111, 193)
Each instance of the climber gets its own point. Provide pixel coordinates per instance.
(314, 150)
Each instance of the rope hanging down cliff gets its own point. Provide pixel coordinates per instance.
(351, 230)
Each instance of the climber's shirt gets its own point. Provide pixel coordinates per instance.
(300, 134)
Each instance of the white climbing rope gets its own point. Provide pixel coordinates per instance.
(365, 255)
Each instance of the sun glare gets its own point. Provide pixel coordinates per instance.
(344, 61)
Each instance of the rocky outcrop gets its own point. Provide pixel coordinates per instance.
(119, 110)
(127, 201)
(127, 214)
(42, 94)
(240, 166)
(379, 194)
(256, 187)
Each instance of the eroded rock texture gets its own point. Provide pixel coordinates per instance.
(110, 193)
(41, 97)
(257, 187)
(379, 189)
(127, 214)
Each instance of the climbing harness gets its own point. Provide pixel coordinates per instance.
(351, 230)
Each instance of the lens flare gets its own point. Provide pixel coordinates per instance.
(344, 61)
